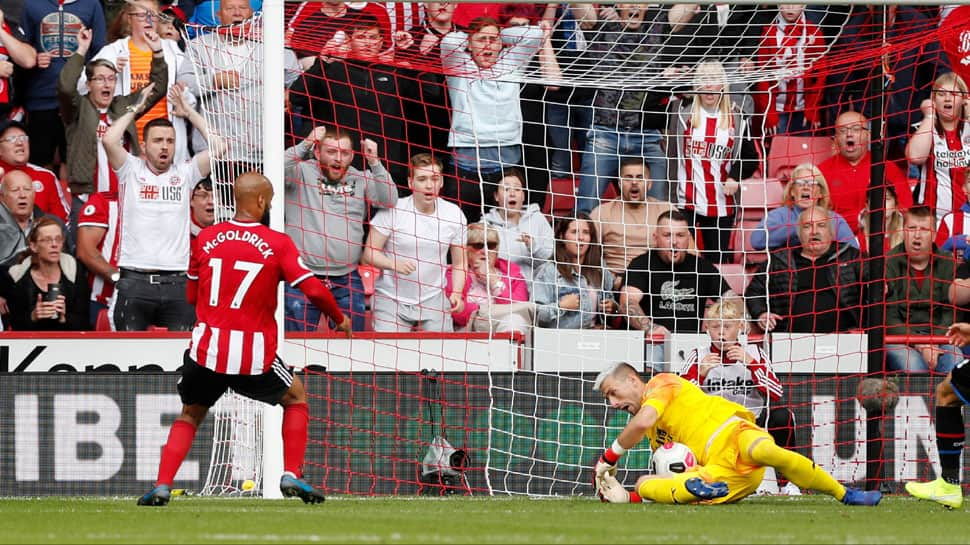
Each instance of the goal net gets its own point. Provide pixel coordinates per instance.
(635, 166)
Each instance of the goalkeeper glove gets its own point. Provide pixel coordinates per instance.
(607, 462)
(611, 490)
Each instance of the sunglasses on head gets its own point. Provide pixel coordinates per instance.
(479, 245)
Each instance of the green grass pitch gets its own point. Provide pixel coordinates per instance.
(806, 519)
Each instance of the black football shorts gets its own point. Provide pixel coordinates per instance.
(201, 386)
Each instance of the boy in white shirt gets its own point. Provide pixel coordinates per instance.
(410, 244)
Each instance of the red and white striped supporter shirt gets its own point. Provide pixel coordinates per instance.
(941, 178)
(790, 47)
(703, 165)
(238, 267)
(750, 385)
(101, 211)
(954, 223)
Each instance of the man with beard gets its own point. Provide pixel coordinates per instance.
(154, 197)
(359, 93)
(812, 288)
(667, 288)
(624, 41)
(327, 203)
(847, 172)
(626, 224)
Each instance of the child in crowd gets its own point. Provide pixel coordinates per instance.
(735, 370)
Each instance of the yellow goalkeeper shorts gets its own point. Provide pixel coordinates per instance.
(724, 464)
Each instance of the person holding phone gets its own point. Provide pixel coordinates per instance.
(41, 287)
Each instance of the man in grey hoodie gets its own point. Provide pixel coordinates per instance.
(327, 203)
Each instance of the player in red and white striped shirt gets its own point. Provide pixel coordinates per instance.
(97, 248)
(235, 271)
(941, 145)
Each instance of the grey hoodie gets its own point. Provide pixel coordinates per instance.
(532, 222)
(326, 221)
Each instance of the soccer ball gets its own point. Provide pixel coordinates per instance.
(672, 458)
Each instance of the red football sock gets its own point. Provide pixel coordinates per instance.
(296, 420)
(176, 448)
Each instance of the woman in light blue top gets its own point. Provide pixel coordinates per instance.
(780, 227)
(574, 290)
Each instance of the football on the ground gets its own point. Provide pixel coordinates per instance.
(672, 458)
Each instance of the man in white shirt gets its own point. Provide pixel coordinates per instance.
(410, 243)
(155, 226)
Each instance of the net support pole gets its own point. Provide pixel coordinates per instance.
(875, 321)
(272, 137)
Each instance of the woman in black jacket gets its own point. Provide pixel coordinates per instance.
(41, 288)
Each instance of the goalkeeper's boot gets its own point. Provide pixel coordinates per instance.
(854, 496)
(291, 486)
(705, 490)
(157, 497)
(940, 491)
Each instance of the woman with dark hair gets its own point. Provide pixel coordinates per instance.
(41, 289)
(574, 290)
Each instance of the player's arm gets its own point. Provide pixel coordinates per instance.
(323, 299)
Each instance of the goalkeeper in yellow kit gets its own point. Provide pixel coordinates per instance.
(731, 450)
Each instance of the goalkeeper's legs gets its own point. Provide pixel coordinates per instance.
(688, 487)
(758, 448)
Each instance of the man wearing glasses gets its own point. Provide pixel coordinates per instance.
(50, 195)
(847, 172)
(88, 117)
(132, 56)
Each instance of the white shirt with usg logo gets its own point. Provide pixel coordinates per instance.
(155, 221)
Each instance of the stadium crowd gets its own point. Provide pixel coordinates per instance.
(424, 182)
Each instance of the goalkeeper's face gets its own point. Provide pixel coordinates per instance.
(623, 393)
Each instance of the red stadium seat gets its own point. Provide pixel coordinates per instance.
(741, 245)
(561, 199)
(368, 275)
(788, 152)
(735, 275)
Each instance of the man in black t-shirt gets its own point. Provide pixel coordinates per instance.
(667, 288)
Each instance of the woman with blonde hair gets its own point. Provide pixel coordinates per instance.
(892, 219)
(806, 187)
(496, 295)
(710, 151)
(941, 146)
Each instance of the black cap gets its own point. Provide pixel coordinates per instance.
(8, 123)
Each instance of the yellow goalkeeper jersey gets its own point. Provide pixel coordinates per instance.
(688, 415)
